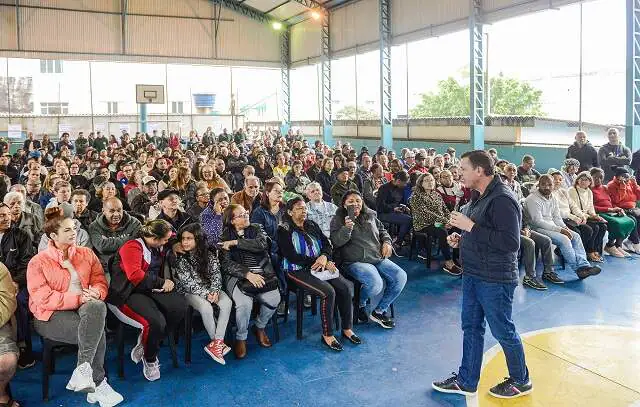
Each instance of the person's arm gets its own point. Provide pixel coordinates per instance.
(383, 235)
(97, 279)
(231, 267)
(41, 294)
(8, 303)
(503, 232)
(25, 253)
(256, 245)
(105, 244)
(130, 255)
(534, 210)
(624, 159)
(340, 234)
(555, 213)
(214, 271)
(381, 201)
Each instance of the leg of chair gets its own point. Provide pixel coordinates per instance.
(314, 304)
(429, 248)
(172, 347)
(286, 306)
(412, 246)
(276, 328)
(46, 366)
(299, 314)
(188, 330)
(120, 344)
(356, 301)
(52, 369)
(393, 313)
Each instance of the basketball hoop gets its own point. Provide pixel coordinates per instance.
(150, 94)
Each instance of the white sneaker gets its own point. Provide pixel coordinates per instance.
(636, 248)
(628, 246)
(151, 370)
(138, 351)
(105, 395)
(82, 379)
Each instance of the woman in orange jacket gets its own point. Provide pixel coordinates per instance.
(67, 288)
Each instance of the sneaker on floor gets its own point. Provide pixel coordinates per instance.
(509, 389)
(614, 251)
(138, 351)
(533, 283)
(362, 315)
(82, 379)
(382, 319)
(215, 349)
(307, 301)
(26, 359)
(541, 285)
(629, 247)
(552, 278)
(451, 385)
(151, 370)
(587, 271)
(454, 270)
(105, 395)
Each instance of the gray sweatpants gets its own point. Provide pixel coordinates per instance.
(531, 246)
(215, 330)
(83, 327)
(244, 304)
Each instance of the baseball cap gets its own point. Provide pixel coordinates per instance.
(148, 179)
(165, 193)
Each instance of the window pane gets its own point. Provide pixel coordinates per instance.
(343, 88)
(256, 93)
(438, 69)
(368, 83)
(305, 97)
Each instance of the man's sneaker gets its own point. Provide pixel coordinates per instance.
(26, 359)
(586, 271)
(454, 270)
(138, 351)
(215, 349)
(509, 389)
(82, 379)
(552, 278)
(382, 319)
(105, 395)
(541, 285)
(307, 301)
(362, 315)
(282, 309)
(451, 385)
(533, 283)
(151, 370)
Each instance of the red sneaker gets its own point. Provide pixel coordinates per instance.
(215, 349)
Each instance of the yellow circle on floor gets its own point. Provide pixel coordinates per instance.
(582, 366)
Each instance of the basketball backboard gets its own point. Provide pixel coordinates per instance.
(152, 94)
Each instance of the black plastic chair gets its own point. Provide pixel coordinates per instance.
(49, 348)
(357, 288)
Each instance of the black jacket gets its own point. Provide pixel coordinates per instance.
(255, 240)
(287, 250)
(181, 219)
(587, 155)
(86, 218)
(16, 250)
(389, 198)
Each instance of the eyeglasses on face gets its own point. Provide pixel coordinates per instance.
(243, 215)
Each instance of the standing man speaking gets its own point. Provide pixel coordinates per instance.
(489, 246)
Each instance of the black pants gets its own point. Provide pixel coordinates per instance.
(634, 237)
(403, 221)
(441, 234)
(591, 233)
(158, 313)
(338, 290)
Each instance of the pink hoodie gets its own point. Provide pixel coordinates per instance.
(48, 281)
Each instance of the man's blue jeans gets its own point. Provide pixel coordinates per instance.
(493, 301)
(572, 250)
(371, 276)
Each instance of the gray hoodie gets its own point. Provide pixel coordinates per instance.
(543, 213)
(363, 244)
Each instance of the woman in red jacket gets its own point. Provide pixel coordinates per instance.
(139, 290)
(624, 193)
(67, 288)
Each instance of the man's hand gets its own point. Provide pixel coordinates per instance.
(386, 250)
(454, 240)
(525, 232)
(228, 244)
(567, 233)
(461, 221)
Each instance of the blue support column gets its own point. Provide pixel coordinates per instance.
(476, 82)
(143, 117)
(385, 73)
(285, 60)
(632, 120)
(325, 61)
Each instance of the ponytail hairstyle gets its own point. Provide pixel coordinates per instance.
(201, 253)
(53, 218)
(155, 229)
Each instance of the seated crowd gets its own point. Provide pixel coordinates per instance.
(150, 225)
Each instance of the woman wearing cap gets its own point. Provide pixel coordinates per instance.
(624, 193)
(67, 289)
(140, 292)
(364, 247)
(170, 209)
(569, 172)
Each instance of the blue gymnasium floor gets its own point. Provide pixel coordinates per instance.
(392, 368)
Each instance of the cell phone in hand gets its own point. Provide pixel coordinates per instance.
(351, 212)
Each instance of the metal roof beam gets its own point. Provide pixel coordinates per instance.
(245, 10)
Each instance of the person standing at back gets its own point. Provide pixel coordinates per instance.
(583, 151)
(489, 246)
(613, 154)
